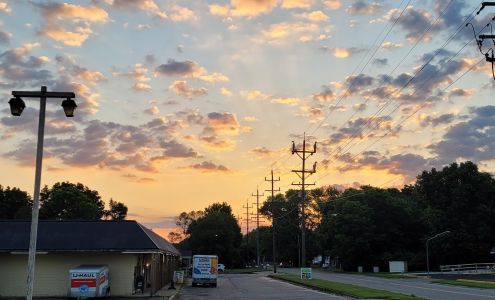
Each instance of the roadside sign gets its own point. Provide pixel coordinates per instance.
(306, 273)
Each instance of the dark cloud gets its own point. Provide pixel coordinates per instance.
(326, 95)
(361, 7)
(178, 68)
(209, 167)
(360, 127)
(472, 140)
(22, 69)
(409, 165)
(4, 37)
(438, 120)
(355, 83)
(380, 61)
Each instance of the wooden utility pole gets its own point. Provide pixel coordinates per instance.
(257, 195)
(247, 207)
(303, 154)
(274, 255)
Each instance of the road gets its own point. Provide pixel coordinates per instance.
(419, 287)
(251, 286)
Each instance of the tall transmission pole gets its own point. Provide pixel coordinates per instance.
(247, 207)
(257, 195)
(303, 154)
(274, 255)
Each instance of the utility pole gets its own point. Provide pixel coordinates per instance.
(303, 154)
(257, 195)
(273, 220)
(489, 53)
(247, 207)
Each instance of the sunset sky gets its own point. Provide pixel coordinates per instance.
(185, 103)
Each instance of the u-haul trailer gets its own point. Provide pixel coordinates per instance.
(88, 281)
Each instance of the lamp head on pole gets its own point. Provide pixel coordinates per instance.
(17, 105)
(69, 106)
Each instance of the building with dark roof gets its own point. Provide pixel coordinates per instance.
(129, 249)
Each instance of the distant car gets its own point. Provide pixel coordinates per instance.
(221, 267)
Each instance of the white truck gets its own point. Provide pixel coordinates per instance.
(205, 270)
(89, 281)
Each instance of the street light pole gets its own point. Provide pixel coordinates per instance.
(427, 244)
(17, 106)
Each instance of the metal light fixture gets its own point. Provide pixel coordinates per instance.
(69, 106)
(17, 105)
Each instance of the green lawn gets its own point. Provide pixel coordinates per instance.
(243, 271)
(468, 283)
(383, 274)
(344, 288)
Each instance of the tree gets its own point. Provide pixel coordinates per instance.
(370, 226)
(67, 200)
(185, 219)
(14, 203)
(117, 211)
(216, 232)
(461, 199)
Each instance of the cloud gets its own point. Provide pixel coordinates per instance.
(288, 4)
(181, 14)
(380, 61)
(209, 167)
(214, 77)
(463, 93)
(435, 120)
(314, 16)
(181, 88)
(342, 52)
(408, 165)
(21, 69)
(69, 65)
(284, 32)
(5, 37)
(222, 123)
(327, 95)
(263, 152)
(139, 73)
(4, 7)
(215, 143)
(250, 119)
(179, 68)
(141, 87)
(286, 100)
(243, 8)
(146, 5)
(333, 4)
(225, 92)
(361, 7)
(414, 22)
(153, 110)
(76, 20)
(390, 45)
(472, 140)
(254, 95)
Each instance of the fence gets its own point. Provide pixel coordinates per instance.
(469, 268)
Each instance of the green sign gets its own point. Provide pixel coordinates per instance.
(306, 273)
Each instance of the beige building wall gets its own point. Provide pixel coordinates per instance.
(52, 272)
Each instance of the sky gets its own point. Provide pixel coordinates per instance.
(185, 103)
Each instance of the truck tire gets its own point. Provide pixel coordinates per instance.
(214, 284)
(194, 284)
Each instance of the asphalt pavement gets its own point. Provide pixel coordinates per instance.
(251, 286)
(419, 287)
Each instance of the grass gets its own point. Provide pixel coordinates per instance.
(468, 283)
(344, 288)
(383, 274)
(243, 271)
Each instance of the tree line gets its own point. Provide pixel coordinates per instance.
(63, 201)
(366, 226)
